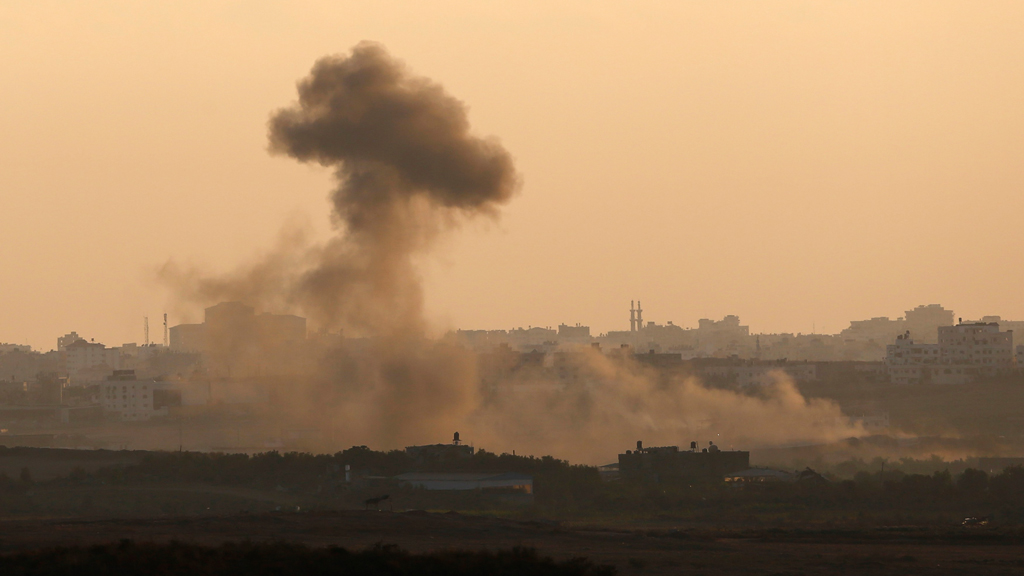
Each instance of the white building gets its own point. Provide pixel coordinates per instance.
(964, 352)
(980, 345)
(88, 361)
(910, 362)
(125, 398)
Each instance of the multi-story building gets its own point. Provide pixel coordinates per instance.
(980, 345)
(909, 361)
(963, 353)
(924, 322)
(65, 340)
(87, 361)
(125, 398)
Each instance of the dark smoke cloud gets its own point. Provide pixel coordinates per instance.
(407, 168)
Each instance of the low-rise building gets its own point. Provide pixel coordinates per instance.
(669, 464)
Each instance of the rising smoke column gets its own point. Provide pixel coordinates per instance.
(405, 161)
(407, 168)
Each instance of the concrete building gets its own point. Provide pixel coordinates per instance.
(964, 353)
(723, 337)
(67, 339)
(90, 361)
(669, 464)
(4, 348)
(909, 362)
(574, 334)
(924, 322)
(127, 399)
(979, 345)
(879, 329)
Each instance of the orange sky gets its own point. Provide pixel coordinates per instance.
(795, 163)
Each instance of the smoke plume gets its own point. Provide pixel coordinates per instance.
(407, 168)
(593, 406)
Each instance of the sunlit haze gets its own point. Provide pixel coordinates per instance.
(798, 164)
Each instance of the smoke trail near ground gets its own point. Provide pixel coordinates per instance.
(608, 402)
(408, 169)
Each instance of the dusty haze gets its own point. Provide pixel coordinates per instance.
(409, 170)
(795, 163)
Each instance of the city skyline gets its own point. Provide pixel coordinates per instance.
(157, 333)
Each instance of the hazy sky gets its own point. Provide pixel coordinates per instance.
(795, 163)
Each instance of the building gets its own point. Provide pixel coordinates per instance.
(127, 399)
(669, 464)
(910, 362)
(67, 339)
(574, 334)
(90, 361)
(924, 322)
(723, 336)
(964, 353)
(980, 345)
(879, 329)
(188, 337)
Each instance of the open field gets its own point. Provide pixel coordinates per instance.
(661, 549)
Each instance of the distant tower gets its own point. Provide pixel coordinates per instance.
(145, 328)
(639, 316)
(166, 343)
(632, 317)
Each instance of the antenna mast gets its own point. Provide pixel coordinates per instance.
(145, 328)
(166, 344)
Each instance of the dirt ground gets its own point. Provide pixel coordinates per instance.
(635, 551)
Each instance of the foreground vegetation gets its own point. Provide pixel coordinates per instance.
(282, 559)
(180, 483)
